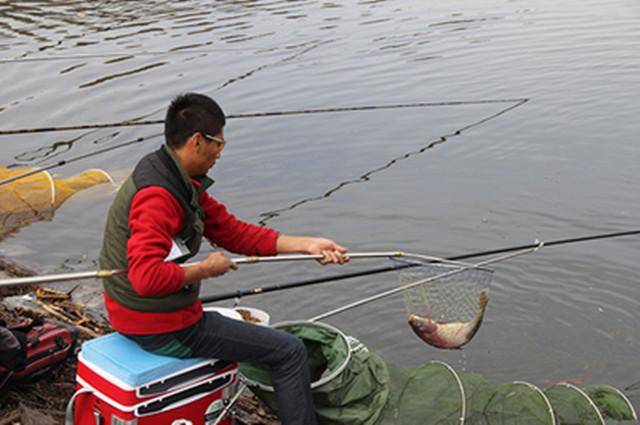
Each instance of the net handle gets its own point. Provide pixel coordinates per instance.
(455, 271)
(35, 280)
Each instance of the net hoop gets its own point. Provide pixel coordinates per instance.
(319, 382)
(463, 396)
(542, 395)
(626, 400)
(418, 260)
(52, 187)
(100, 170)
(584, 395)
(450, 371)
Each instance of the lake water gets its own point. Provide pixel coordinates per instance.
(468, 175)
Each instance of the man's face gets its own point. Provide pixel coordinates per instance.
(209, 150)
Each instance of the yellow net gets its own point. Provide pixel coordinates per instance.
(37, 196)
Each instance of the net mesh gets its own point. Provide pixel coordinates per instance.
(447, 309)
(37, 196)
(435, 394)
(431, 388)
(612, 403)
(515, 403)
(571, 406)
(446, 299)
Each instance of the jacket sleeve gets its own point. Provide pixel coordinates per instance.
(154, 218)
(225, 230)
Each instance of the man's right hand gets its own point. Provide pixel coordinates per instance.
(215, 264)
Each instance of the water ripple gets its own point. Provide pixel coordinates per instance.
(121, 74)
(269, 215)
(565, 164)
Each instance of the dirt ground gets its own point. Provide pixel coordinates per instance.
(41, 402)
(44, 402)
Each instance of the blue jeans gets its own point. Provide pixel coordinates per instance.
(219, 337)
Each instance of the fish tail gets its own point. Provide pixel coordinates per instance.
(484, 300)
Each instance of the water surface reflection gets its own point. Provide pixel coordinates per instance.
(563, 164)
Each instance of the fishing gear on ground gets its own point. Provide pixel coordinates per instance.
(30, 349)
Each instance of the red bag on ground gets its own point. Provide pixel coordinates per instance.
(31, 349)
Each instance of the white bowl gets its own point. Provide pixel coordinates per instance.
(260, 315)
(227, 312)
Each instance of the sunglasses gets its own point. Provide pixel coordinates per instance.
(220, 141)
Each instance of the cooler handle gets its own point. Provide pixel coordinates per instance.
(69, 418)
(179, 399)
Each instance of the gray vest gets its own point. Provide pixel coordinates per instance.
(159, 168)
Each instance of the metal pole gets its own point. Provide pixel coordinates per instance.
(35, 280)
(249, 260)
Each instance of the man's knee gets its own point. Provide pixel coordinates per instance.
(295, 349)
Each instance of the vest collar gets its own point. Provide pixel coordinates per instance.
(196, 184)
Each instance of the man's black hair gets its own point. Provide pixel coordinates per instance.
(190, 113)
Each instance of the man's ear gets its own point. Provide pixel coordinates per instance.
(193, 142)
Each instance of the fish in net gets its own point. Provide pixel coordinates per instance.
(445, 312)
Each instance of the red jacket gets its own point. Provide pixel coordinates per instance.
(155, 217)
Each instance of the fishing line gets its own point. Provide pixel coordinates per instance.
(134, 121)
(137, 121)
(42, 154)
(367, 176)
(78, 158)
(227, 83)
(250, 73)
(46, 152)
(287, 59)
(159, 64)
(130, 123)
(127, 54)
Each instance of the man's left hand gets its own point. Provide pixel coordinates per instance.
(332, 252)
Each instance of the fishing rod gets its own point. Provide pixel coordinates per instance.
(130, 123)
(94, 274)
(309, 282)
(301, 257)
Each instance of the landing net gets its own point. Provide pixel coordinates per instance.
(445, 312)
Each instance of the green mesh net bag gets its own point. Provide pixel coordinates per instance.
(352, 385)
(349, 383)
(615, 406)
